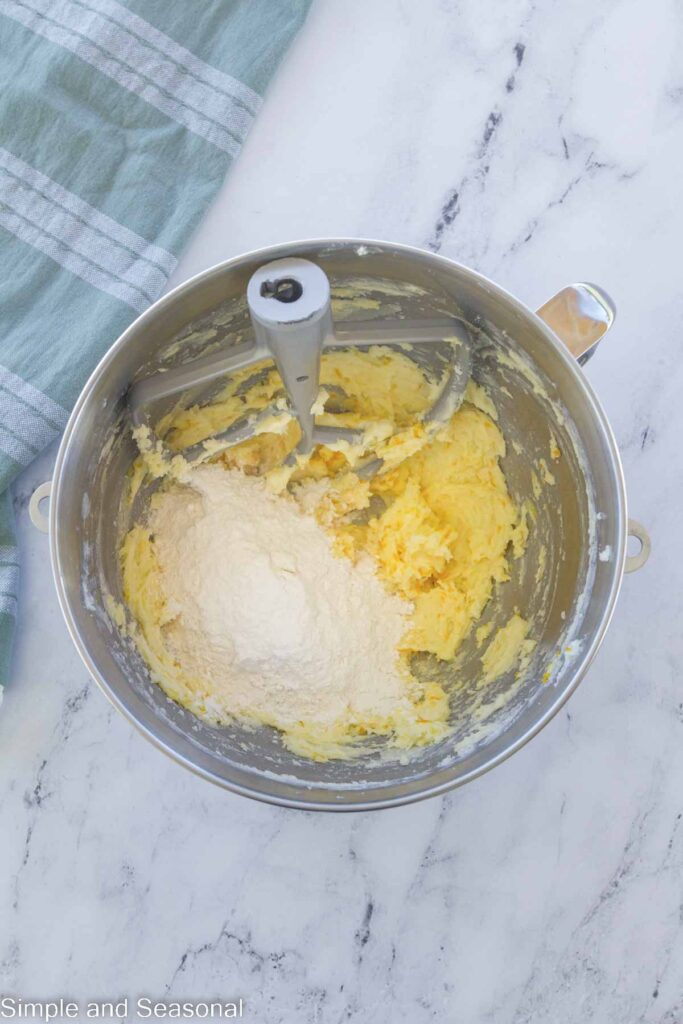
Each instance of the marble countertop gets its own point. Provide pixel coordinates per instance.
(539, 143)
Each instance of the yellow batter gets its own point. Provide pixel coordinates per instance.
(441, 524)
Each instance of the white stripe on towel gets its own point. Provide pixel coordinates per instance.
(138, 67)
(15, 448)
(8, 606)
(33, 235)
(25, 422)
(93, 218)
(72, 232)
(9, 579)
(30, 395)
(221, 82)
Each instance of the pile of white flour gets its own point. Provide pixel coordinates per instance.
(275, 625)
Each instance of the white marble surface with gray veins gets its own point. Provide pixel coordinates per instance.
(540, 143)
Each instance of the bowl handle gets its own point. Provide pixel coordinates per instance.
(637, 561)
(38, 518)
(579, 315)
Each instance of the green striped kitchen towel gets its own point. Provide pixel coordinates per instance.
(118, 122)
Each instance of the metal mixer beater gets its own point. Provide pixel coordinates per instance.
(289, 303)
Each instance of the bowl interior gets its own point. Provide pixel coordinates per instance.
(565, 583)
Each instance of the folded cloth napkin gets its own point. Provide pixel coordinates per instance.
(118, 122)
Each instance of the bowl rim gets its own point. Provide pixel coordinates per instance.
(181, 750)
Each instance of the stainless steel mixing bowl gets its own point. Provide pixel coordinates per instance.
(566, 583)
